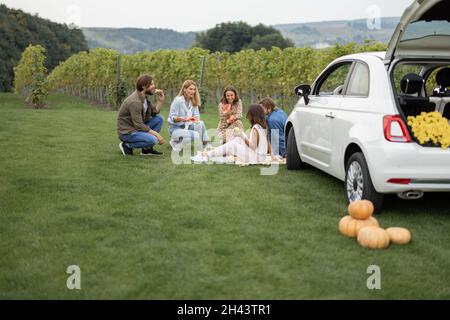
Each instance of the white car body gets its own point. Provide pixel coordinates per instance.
(329, 128)
(323, 141)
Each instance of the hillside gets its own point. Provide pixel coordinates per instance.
(19, 29)
(132, 40)
(314, 34)
(328, 33)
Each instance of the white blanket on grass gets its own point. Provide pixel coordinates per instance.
(234, 160)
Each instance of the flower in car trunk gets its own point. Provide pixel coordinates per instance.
(431, 128)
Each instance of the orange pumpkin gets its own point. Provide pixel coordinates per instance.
(350, 227)
(373, 238)
(399, 235)
(361, 209)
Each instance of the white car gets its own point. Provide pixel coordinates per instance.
(351, 123)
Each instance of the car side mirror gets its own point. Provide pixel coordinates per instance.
(303, 90)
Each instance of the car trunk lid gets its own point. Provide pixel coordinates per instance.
(423, 31)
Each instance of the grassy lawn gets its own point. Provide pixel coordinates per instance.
(144, 228)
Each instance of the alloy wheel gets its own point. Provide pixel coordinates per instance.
(355, 182)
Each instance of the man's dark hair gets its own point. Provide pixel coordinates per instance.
(268, 103)
(143, 82)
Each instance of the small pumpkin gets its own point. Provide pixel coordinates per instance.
(399, 235)
(350, 227)
(373, 238)
(361, 209)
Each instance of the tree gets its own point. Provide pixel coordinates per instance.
(234, 36)
(30, 75)
(19, 29)
(270, 40)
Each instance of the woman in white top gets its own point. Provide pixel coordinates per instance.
(251, 150)
(184, 117)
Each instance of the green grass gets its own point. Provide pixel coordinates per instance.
(144, 228)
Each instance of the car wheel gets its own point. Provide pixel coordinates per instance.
(358, 184)
(293, 160)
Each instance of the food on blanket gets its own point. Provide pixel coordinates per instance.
(373, 238)
(361, 210)
(399, 235)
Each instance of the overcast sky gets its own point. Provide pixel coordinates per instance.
(196, 15)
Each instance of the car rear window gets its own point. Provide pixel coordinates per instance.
(421, 29)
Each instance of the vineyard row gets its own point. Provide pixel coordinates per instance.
(106, 77)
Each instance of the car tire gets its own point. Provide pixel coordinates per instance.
(358, 184)
(293, 160)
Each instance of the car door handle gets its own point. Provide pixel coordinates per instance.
(330, 115)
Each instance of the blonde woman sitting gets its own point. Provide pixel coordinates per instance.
(184, 117)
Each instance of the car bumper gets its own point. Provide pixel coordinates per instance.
(427, 167)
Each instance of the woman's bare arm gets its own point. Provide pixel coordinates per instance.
(254, 141)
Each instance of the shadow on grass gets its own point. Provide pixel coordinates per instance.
(432, 203)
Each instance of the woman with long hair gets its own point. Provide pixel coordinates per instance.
(252, 149)
(184, 117)
(230, 114)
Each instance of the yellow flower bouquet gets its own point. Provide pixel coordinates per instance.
(431, 128)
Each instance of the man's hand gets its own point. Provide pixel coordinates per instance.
(157, 136)
(160, 139)
(160, 94)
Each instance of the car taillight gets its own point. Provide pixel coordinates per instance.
(399, 181)
(395, 129)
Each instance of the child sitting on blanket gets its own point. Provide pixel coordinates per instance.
(230, 114)
(253, 149)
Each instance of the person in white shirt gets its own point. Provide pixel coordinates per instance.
(253, 149)
(184, 117)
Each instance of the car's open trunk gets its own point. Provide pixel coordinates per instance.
(422, 86)
(423, 31)
(422, 37)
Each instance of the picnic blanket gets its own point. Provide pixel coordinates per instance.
(235, 161)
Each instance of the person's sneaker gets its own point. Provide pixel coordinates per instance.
(151, 152)
(176, 146)
(126, 151)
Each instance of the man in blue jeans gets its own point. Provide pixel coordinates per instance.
(139, 122)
